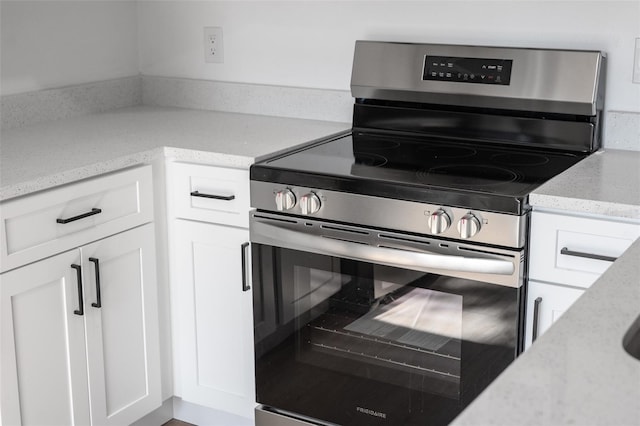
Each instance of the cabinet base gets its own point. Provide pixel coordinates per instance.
(176, 408)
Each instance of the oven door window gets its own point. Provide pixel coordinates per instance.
(356, 343)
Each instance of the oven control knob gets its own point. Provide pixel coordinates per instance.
(469, 225)
(310, 203)
(285, 200)
(439, 221)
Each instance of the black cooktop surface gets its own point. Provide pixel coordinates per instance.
(455, 173)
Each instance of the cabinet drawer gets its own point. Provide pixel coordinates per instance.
(210, 194)
(40, 225)
(576, 250)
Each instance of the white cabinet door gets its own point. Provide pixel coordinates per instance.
(552, 300)
(214, 316)
(122, 330)
(65, 361)
(43, 361)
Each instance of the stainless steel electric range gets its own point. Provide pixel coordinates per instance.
(389, 263)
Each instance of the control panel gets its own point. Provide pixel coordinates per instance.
(438, 221)
(467, 70)
(386, 213)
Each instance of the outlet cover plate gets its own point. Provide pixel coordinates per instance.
(636, 63)
(213, 45)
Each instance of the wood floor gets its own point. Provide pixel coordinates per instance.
(174, 422)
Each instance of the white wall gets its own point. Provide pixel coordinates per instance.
(46, 44)
(304, 43)
(309, 43)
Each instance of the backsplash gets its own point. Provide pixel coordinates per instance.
(621, 128)
(54, 104)
(279, 101)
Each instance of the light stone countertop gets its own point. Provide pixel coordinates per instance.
(606, 183)
(45, 155)
(577, 372)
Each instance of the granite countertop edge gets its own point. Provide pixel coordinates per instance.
(77, 174)
(587, 187)
(578, 372)
(43, 156)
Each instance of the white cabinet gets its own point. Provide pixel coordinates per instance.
(216, 326)
(210, 194)
(545, 304)
(44, 375)
(68, 359)
(567, 254)
(79, 329)
(571, 250)
(122, 334)
(210, 281)
(34, 227)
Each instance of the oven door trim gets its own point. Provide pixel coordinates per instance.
(486, 264)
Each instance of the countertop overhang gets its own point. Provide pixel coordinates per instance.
(578, 372)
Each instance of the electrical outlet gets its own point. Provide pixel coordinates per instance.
(213, 46)
(636, 63)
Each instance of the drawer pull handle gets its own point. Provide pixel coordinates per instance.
(81, 216)
(568, 252)
(536, 318)
(215, 197)
(80, 310)
(243, 254)
(96, 264)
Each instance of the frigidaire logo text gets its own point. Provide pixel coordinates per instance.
(371, 412)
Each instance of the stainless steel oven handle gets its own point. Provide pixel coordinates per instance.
(383, 255)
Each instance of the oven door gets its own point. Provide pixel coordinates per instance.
(356, 326)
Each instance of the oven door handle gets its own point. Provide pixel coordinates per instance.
(280, 237)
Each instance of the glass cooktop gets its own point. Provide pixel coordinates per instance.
(454, 173)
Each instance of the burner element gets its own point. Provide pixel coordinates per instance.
(375, 144)
(467, 175)
(446, 152)
(520, 159)
(369, 159)
(422, 170)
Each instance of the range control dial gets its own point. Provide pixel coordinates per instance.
(439, 221)
(285, 200)
(310, 203)
(469, 225)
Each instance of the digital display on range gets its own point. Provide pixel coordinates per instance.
(467, 70)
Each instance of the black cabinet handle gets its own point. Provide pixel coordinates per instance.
(215, 197)
(81, 216)
(96, 264)
(80, 310)
(536, 315)
(568, 252)
(243, 249)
